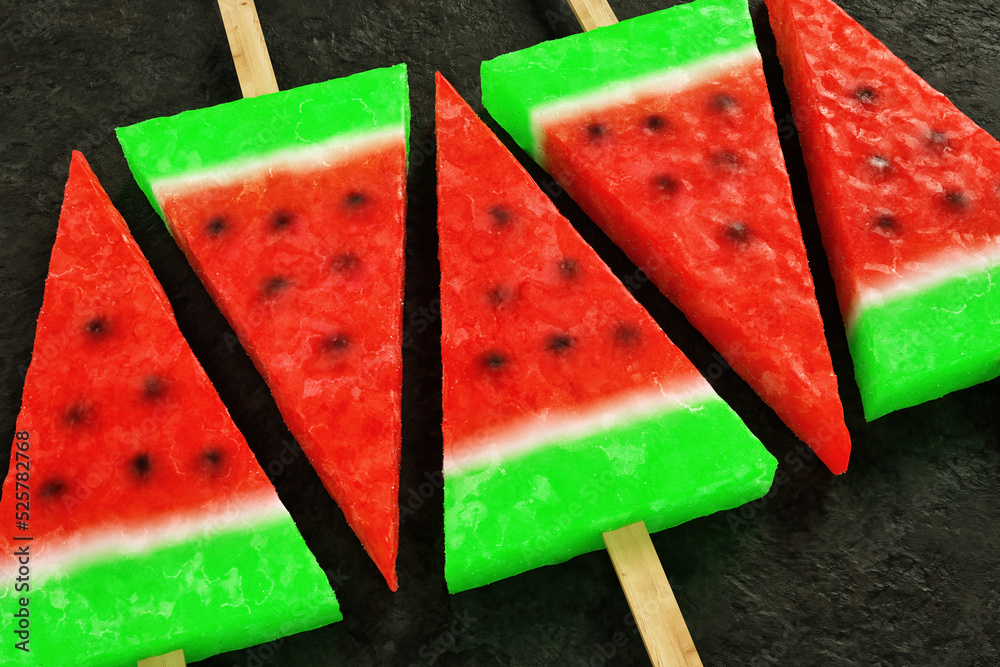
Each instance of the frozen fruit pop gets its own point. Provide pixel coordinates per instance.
(906, 193)
(136, 519)
(567, 411)
(661, 128)
(290, 207)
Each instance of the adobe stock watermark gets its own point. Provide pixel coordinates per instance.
(417, 497)
(262, 654)
(796, 459)
(786, 126)
(780, 648)
(875, 546)
(562, 17)
(36, 24)
(607, 651)
(976, 621)
(290, 452)
(431, 651)
(419, 320)
(337, 577)
(421, 151)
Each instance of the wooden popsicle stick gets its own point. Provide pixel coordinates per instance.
(246, 41)
(593, 13)
(172, 659)
(654, 607)
(650, 598)
(253, 68)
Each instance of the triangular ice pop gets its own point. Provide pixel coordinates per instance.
(661, 128)
(907, 195)
(290, 207)
(567, 411)
(143, 521)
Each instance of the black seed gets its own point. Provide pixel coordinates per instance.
(212, 458)
(738, 232)
(52, 488)
(355, 200)
(559, 343)
(345, 262)
(887, 225)
(281, 220)
(627, 335)
(216, 226)
(937, 141)
(336, 342)
(727, 160)
(154, 387)
(97, 326)
(596, 131)
(956, 199)
(724, 103)
(865, 94)
(142, 466)
(502, 216)
(655, 123)
(77, 414)
(666, 184)
(568, 268)
(275, 285)
(499, 295)
(494, 360)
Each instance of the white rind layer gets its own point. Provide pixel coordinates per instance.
(306, 157)
(668, 81)
(913, 278)
(48, 559)
(534, 432)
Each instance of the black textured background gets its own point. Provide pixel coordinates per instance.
(893, 563)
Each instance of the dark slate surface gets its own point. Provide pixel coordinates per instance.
(894, 563)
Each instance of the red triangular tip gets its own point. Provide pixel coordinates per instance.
(458, 122)
(83, 189)
(379, 534)
(446, 98)
(79, 169)
(450, 107)
(87, 213)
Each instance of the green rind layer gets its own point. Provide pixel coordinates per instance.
(921, 347)
(516, 84)
(207, 595)
(255, 127)
(553, 503)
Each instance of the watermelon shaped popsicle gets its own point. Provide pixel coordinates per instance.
(907, 195)
(136, 519)
(661, 128)
(290, 207)
(567, 411)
